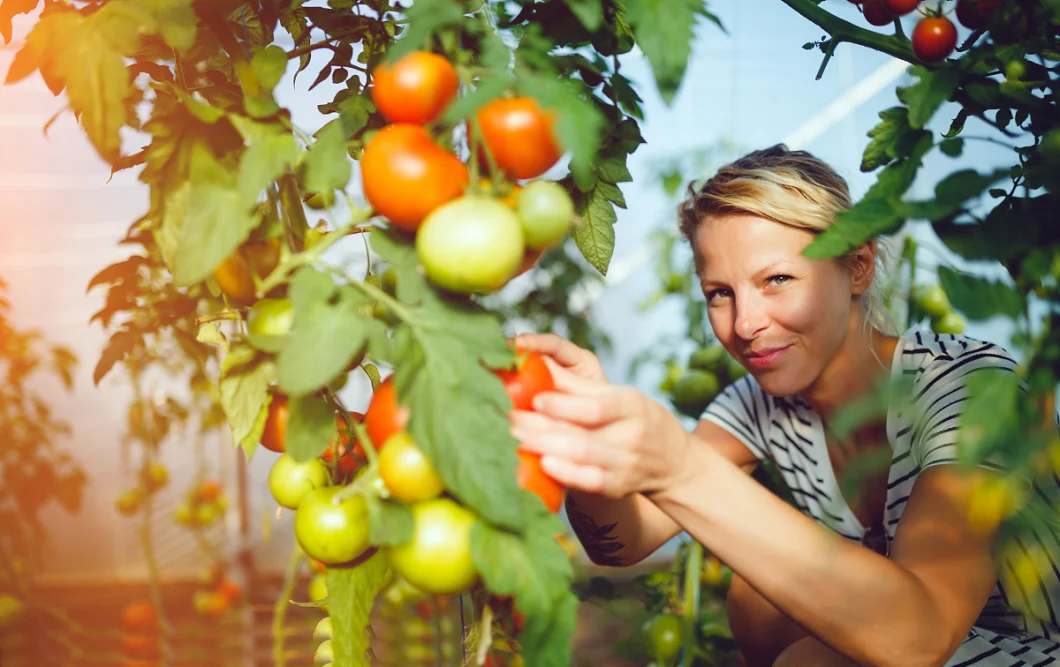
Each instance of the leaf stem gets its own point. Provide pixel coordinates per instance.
(279, 610)
(226, 314)
(844, 31)
(373, 292)
(693, 566)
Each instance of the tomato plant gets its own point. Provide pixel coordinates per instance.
(663, 635)
(291, 481)
(416, 88)
(471, 244)
(384, 416)
(407, 472)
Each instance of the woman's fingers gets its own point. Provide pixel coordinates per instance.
(598, 408)
(549, 437)
(572, 475)
(570, 382)
(557, 347)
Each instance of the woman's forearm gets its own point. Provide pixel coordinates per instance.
(618, 532)
(863, 605)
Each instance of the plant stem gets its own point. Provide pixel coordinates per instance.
(693, 566)
(279, 611)
(844, 31)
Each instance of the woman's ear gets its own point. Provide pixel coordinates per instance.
(862, 267)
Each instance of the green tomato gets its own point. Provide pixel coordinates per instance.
(545, 211)
(931, 300)
(318, 590)
(707, 358)
(664, 637)
(1015, 69)
(290, 481)
(324, 653)
(694, 391)
(950, 323)
(1050, 146)
(269, 322)
(332, 532)
(437, 559)
(323, 629)
(470, 245)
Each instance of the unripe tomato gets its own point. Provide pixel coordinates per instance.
(323, 630)
(471, 245)
(209, 603)
(437, 559)
(533, 478)
(269, 322)
(139, 618)
(234, 275)
(324, 654)
(290, 481)
(934, 39)
(950, 323)
(206, 514)
(876, 13)
(329, 531)
(664, 636)
(274, 437)
(931, 300)
(405, 175)
(520, 136)
(545, 211)
(901, 7)
(384, 417)
(318, 589)
(155, 476)
(407, 472)
(414, 89)
(506, 192)
(129, 503)
(708, 358)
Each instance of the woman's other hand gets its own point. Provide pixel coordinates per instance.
(577, 360)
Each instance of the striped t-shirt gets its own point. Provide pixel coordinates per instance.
(788, 433)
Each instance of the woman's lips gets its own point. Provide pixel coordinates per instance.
(764, 360)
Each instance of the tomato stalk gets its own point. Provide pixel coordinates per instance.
(279, 611)
(909, 254)
(844, 31)
(693, 567)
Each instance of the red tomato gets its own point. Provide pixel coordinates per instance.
(141, 647)
(901, 7)
(350, 458)
(934, 39)
(208, 490)
(416, 88)
(274, 437)
(406, 175)
(876, 13)
(139, 617)
(519, 135)
(976, 14)
(230, 590)
(530, 378)
(531, 477)
(384, 417)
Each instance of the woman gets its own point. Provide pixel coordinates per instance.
(892, 575)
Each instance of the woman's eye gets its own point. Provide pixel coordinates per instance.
(779, 279)
(717, 293)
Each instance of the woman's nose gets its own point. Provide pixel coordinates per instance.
(750, 317)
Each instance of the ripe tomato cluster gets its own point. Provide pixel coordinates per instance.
(934, 37)
(470, 237)
(203, 505)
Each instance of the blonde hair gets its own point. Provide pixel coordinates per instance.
(792, 188)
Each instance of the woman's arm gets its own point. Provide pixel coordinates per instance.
(624, 531)
(914, 609)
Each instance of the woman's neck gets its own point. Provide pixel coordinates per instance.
(863, 362)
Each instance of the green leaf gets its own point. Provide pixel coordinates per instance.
(218, 220)
(952, 147)
(351, 594)
(933, 87)
(951, 194)
(244, 386)
(269, 65)
(354, 111)
(176, 22)
(390, 523)
(210, 334)
(664, 30)
(614, 170)
(978, 298)
(327, 166)
(595, 234)
(589, 12)
(326, 335)
(868, 219)
(310, 427)
(264, 162)
(580, 123)
(424, 18)
(458, 405)
(891, 139)
(534, 569)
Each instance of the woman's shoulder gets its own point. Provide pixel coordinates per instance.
(924, 355)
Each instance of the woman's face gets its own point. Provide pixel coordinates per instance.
(780, 314)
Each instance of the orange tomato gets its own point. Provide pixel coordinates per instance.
(208, 490)
(406, 175)
(416, 88)
(385, 417)
(139, 617)
(350, 458)
(274, 437)
(520, 136)
(533, 478)
(141, 647)
(234, 275)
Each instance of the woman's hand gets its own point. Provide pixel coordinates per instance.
(601, 438)
(577, 360)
